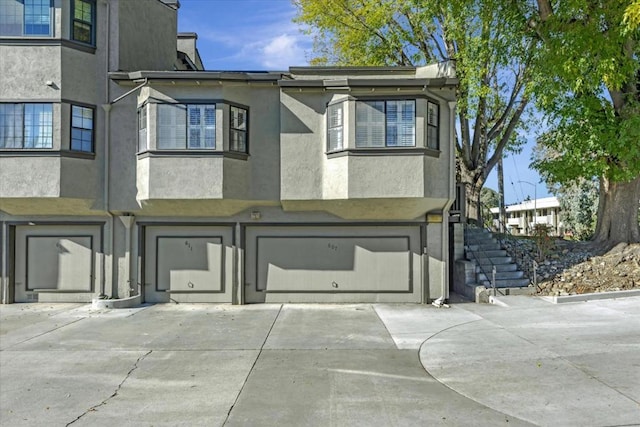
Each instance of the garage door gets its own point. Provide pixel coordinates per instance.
(188, 263)
(316, 264)
(57, 263)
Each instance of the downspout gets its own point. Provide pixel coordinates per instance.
(444, 291)
(107, 181)
(4, 246)
(107, 153)
(106, 194)
(450, 201)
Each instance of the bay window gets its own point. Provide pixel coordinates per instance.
(26, 126)
(389, 123)
(25, 18)
(433, 118)
(83, 17)
(238, 129)
(81, 129)
(335, 126)
(186, 126)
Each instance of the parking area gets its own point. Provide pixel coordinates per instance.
(275, 364)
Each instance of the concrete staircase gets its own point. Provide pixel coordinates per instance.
(482, 249)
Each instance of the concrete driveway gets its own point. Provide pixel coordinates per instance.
(320, 365)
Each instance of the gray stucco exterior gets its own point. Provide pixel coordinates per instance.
(286, 219)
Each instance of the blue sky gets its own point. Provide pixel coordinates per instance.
(260, 35)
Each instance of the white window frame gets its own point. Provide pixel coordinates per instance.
(375, 125)
(335, 127)
(182, 127)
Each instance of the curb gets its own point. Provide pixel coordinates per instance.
(591, 297)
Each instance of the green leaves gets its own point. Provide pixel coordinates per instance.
(586, 79)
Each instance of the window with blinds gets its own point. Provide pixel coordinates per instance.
(385, 123)
(335, 126)
(186, 126)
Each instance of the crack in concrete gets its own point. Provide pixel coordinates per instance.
(115, 393)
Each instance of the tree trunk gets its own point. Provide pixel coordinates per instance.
(618, 212)
(502, 211)
(472, 188)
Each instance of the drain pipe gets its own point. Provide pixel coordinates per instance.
(447, 206)
(106, 194)
(107, 184)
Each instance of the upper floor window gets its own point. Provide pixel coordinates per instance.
(433, 118)
(83, 21)
(26, 125)
(81, 129)
(385, 123)
(186, 126)
(142, 129)
(238, 129)
(335, 124)
(25, 17)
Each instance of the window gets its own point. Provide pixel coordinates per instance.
(26, 126)
(385, 124)
(433, 118)
(142, 129)
(83, 21)
(25, 17)
(182, 126)
(81, 129)
(238, 129)
(334, 127)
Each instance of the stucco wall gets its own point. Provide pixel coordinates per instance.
(147, 35)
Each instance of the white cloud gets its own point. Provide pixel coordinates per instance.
(281, 52)
(256, 38)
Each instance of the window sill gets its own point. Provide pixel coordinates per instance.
(46, 41)
(388, 151)
(192, 153)
(40, 152)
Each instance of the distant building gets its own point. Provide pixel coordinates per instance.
(522, 217)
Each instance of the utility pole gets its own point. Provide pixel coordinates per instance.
(502, 220)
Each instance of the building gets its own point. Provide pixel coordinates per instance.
(126, 170)
(522, 217)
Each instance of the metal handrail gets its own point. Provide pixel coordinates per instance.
(483, 271)
(522, 257)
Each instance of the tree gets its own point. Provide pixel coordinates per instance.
(588, 82)
(578, 207)
(487, 39)
(489, 198)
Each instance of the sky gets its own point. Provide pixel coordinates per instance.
(253, 35)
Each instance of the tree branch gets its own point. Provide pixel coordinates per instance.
(513, 122)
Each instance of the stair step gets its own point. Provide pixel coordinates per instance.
(492, 260)
(478, 247)
(501, 275)
(499, 268)
(507, 283)
(489, 254)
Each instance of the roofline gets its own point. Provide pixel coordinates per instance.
(315, 70)
(358, 82)
(196, 75)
